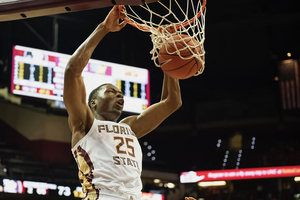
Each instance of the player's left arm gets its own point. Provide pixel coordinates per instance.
(153, 116)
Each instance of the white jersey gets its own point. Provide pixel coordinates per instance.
(109, 159)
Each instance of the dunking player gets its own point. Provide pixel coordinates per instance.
(108, 154)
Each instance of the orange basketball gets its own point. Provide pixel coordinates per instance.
(175, 66)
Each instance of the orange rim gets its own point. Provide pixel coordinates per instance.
(171, 29)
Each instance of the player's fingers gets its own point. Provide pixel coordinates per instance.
(123, 23)
(190, 198)
(122, 11)
(116, 7)
(122, 7)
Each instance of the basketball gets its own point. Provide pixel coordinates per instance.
(171, 62)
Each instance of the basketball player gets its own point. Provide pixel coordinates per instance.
(108, 153)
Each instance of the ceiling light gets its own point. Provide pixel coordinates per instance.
(211, 183)
(171, 185)
(297, 178)
(156, 180)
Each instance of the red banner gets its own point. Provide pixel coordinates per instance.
(237, 174)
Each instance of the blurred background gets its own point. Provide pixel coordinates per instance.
(237, 107)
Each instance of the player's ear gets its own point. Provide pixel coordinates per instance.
(93, 103)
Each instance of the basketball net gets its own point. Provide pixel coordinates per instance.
(164, 26)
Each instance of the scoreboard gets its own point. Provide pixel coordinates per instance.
(40, 74)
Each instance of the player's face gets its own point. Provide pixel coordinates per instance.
(110, 102)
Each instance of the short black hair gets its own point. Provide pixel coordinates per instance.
(93, 94)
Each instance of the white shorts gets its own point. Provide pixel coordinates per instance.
(104, 195)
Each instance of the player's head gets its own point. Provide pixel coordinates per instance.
(106, 101)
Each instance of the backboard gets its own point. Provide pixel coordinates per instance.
(23, 9)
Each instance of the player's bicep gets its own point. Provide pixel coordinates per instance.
(74, 94)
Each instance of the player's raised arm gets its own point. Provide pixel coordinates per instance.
(74, 89)
(158, 112)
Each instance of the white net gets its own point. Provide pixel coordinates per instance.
(167, 18)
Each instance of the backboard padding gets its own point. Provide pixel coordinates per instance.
(23, 9)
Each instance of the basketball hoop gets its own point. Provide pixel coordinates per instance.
(189, 19)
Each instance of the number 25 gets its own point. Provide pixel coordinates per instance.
(129, 149)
